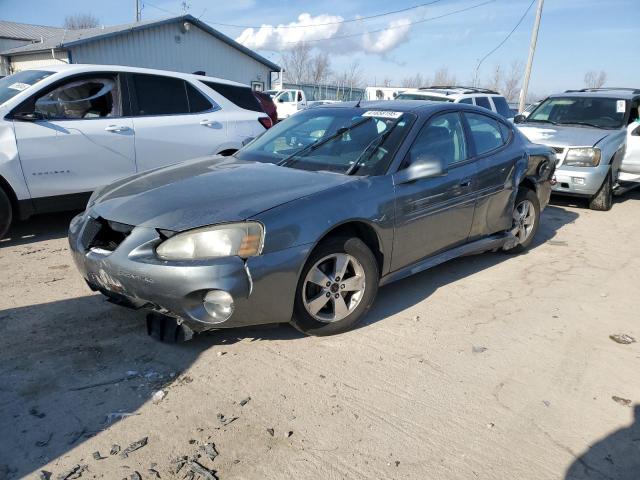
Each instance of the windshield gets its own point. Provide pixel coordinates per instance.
(589, 111)
(14, 84)
(343, 140)
(418, 96)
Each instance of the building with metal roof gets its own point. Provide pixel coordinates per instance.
(182, 44)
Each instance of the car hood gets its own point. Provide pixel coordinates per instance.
(205, 192)
(563, 136)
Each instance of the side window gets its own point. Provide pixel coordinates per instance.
(502, 107)
(243, 97)
(441, 138)
(468, 101)
(485, 132)
(158, 95)
(197, 101)
(82, 98)
(483, 102)
(506, 132)
(285, 97)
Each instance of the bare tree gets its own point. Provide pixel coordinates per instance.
(351, 77)
(593, 79)
(296, 63)
(319, 69)
(416, 81)
(512, 82)
(80, 21)
(442, 77)
(495, 82)
(386, 82)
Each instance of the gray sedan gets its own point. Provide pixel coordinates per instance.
(303, 224)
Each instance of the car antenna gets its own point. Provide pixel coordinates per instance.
(360, 99)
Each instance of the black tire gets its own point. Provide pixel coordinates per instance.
(530, 195)
(603, 200)
(302, 319)
(165, 329)
(6, 213)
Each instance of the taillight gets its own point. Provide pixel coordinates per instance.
(266, 122)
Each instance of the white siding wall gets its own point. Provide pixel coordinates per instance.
(37, 60)
(166, 47)
(6, 44)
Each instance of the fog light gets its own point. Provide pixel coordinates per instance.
(578, 180)
(218, 304)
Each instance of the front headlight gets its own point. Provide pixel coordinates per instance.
(582, 157)
(242, 239)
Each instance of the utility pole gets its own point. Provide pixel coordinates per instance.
(138, 13)
(532, 52)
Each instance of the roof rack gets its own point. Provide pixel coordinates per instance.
(605, 89)
(458, 87)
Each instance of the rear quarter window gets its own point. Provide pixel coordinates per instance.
(483, 102)
(241, 96)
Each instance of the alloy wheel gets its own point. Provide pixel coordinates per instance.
(333, 287)
(524, 219)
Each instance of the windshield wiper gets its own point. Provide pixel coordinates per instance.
(586, 124)
(315, 145)
(373, 145)
(531, 120)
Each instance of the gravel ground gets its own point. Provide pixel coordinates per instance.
(488, 367)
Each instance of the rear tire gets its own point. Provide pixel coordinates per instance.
(603, 200)
(348, 299)
(6, 213)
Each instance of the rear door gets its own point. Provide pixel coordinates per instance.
(84, 140)
(491, 141)
(435, 214)
(173, 120)
(631, 161)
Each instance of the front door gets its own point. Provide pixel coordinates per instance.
(82, 141)
(435, 214)
(173, 121)
(631, 160)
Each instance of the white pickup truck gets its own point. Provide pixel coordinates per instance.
(288, 101)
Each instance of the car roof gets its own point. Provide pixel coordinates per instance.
(612, 92)
(88, 68)
(419, 107)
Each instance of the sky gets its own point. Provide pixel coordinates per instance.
(576, 36)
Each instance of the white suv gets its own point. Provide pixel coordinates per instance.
(473, 96)
(66, 130)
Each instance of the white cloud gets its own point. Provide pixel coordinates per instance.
(326, 33)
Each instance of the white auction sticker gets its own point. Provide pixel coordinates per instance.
(621, 106)
(19, 86)
(382, 114)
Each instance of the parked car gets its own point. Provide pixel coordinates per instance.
(588, 129)
(469, 95)
(288, 101)
(68, 129)
(306, 221)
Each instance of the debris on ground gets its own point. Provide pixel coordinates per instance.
(154, 472)
(115, 449)
(198, 469)
(210, 450)
(221, 353)
(73, 473)
(622, 401)
(179, 462)
(475, 349)
(416, 318)
(622, 338)
(134, 446)
(558, 243)
(288, 434)
(44, 475)
(244, 401)
(135, 476)
(491, 425)
(158, 396)
(97, 456)
(547, 403)
(226, 420)
(271, 431)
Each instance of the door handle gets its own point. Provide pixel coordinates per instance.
(210, 123)
(465, 184)
(117, 128)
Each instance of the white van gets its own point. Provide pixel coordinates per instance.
(66, 130)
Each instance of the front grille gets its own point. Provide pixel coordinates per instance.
(104, 234)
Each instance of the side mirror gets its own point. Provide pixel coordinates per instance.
(28, 116)
(425, 166)
(519, 118)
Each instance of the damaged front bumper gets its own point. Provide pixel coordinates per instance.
(262, 287)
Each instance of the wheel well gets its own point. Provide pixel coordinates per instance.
(528, 183)
(364, 232)
(4, 185)
(228, 152)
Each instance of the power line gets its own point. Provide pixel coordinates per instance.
(505, 39)
(337, 22)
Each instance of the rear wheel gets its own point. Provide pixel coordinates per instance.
(336, 288)
(526, 219)
(603, 200)
(6, 213)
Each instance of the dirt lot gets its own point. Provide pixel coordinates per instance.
(489, 367)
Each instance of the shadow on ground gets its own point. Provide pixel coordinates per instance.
(617, 456)
(69, 369)
(38, 228)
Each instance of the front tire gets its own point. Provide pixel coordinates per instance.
(526, 219)
(603, 200)
(6, 213)
(337, 287)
